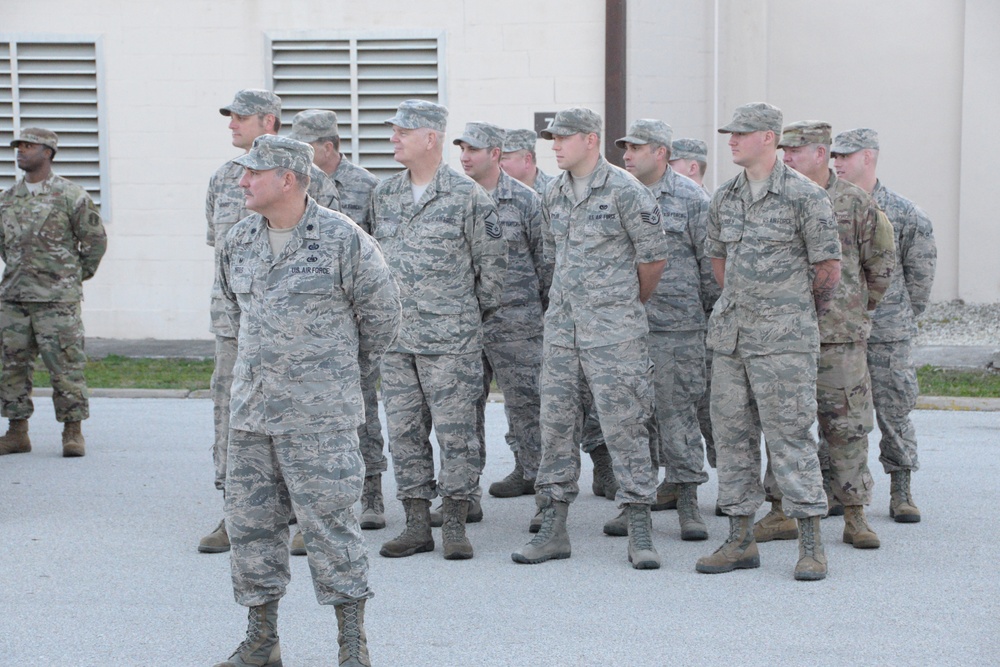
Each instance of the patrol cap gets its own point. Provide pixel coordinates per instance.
(647, 131)
(689, 149)
(482, 135)
(519, 140)
(855, 140)
(415, 114)
(252, 101)
(754, 117)
(575, 120)
(38, 135)
(314, 124)
(806, 132)
(271, 151)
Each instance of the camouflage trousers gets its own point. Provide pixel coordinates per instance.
(318, 476)
(679, 380)
(844, 412)
(516, 365)
(54, 330)
(591, 436)
(894, 391)
(619, 377)
(445, 387)
(370, 433)
(222, 383)
(705, 413)
(784, 388)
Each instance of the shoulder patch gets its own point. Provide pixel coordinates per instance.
(652, 217)
(493, 224)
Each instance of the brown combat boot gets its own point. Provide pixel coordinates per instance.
(474, 515)
(812, 558)
(856, 529)
(216, 542)
(351, 635)
(72, 439)
(456, 544)
(261, 647)
(15, 441)
(416, 537)
(372, 506)
(775, 525)
(901, 507)
(738, 552)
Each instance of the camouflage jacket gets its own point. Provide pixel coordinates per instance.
(526, 285)
(868, 256)
(301, 319)
(448, 255)
(596, 245)
(687, 289)
(916, 258)
(225, 205)
(355, 186)
(769, 245)
(50, 242)
(542, 181)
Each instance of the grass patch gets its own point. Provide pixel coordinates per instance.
(116, 372)
(951, 382)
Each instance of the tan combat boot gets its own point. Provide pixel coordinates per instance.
(605, 484)
(693, 528)
(856, 529)
(666, 497)
(15, 441)
(351, 635)
(298, 545)
(514, 484)
(738, 552)
(552, 541)
(474, 515)
(216, 542)
(901, 507)
(72, 439)
(372, 506)
(775, 525)
(453, 539)
(416, 537)
(617, 527)
(641, 552)
(812, 558)
(261, 647)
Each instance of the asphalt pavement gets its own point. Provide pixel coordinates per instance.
(99, 568)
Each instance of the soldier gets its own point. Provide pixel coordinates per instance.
(843, 388)
(520, 161)
(676, 314)
(772, 237)
(513, 336)
(51, 240)
(602, 228)
(355, 184)
(689, 157)
(252, 113)
(305, 289)
(890, 346)
(443, 241)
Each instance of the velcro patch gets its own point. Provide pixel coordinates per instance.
(493, 225)
(652, 217)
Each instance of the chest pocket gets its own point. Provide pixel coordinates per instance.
(774, 226)
(440, 230)
(228, 210)
(731, 229)
(674, 222)
(241, 282)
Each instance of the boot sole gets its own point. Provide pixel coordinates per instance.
(212, 550)
(423, 548)
(745, 564)
(519, 558)
(862, 544)
(297, 552)
(904, 518)
(372, 524)
(458, 555)
(644, 564)
(810, 576)
(614, 532)
(694, 535)
(835, 511)
(511, 493)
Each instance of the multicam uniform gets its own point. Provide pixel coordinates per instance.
(301, 319)
(595, 330)
(448, 255)
(765, 336)
(50, 242)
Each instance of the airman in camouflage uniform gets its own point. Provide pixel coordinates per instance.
(305, 289)
(894, 323)
(520, 160)
(51, 240)
(443, 240)
(318, 128)
(689, 157)
(513, 336)
(843, 387)
(603, 230)
(772, 236)
(252, 113)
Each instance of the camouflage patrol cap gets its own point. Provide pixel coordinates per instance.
(415, 114)
(38, 135)
(575, 120)
(519, 140)
(482, 135)
(806, 132)
(314, 124)
(855, 140)
(252, 101)
(271, 151)
(754, 117)
(689, 149)
(647, 131)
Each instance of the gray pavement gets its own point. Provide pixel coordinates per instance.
(99, 568)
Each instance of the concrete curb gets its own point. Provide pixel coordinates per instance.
(958, 403)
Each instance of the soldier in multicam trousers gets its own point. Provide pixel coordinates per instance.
(51, 240)
(305, 289)
(890, 362)
(843, 388)
(252, 113)
(602, 229)
(513, 336)
(442, 238)
(318, 128)
(772, 236)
